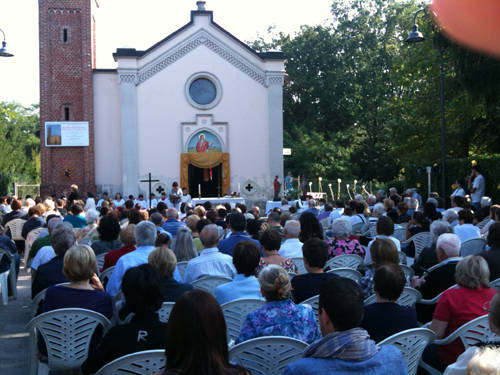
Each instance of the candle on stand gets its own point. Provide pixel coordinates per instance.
(239, 187)
(338, 187)
(199, 190)
(310, 186)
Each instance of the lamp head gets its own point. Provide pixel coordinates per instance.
(3, 50)
(414, 36)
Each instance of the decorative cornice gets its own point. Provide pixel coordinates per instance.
(127, 77)
(198, 39)
(275, 78)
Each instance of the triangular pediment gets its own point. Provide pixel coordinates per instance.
(202, 38)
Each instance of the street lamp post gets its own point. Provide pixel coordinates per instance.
(3, 50)
(416, 36)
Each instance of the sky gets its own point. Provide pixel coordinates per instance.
(140, 24)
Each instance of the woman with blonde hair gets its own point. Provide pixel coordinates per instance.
(458, 306)
(84, 289)
(164, 260)
(280, 316)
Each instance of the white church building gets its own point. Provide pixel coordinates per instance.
(199, 107)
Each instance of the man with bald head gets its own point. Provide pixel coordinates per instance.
(211, 261)
(292, 247)
(172, 224)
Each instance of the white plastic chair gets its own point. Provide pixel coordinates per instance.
(181, 266)
(472, 247)
(348, 273)
(67, 334)
(106, 274)
(299, 263)
(483, 222)
(344, 261)
(471, 333)
(495, 283)
(5, 276)
(235, 313)
(409, 272)
(267, 355)
(434, 300)
(411, 343)
(400, 234)
(314, 303)
(100, 260)
(403, 259)
(16, 228)
(356, 228)
(420, 241)
(409, 297)
(30, 238)
(165, 310)
(141, 363)
(209, 283)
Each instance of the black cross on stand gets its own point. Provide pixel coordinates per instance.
(249, 188)
(149, 181)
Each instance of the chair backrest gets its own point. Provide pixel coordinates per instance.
(67, 334)
(181, 266)
(30, 238)
(372, 230)
(140, 363)
(420, 241)
(403, 259)
(209, 283)
(235, 313)
(356, 228)
(100, 260)
(347, 272)
(471, 333)
(344, 261)
(35, 302)
(313, 302)
(16, 228)
(472, 247)
(411, 343)
(495, 283)
(409, 272)
(409, 297)
(299, 263)
(106, 274)
(434, 300)
(400, 234)
(483, 222)
(267, 355)
(165, 310)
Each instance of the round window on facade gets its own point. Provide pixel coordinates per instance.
(203, 90)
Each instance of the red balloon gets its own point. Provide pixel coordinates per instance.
(474, 23)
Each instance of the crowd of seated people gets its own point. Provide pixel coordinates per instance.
(146, 245)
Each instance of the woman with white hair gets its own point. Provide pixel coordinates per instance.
(89, 234)
(184, 247)
(343, 242)
(280, 316)
(458, 306)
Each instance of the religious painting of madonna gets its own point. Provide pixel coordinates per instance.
(204, 141)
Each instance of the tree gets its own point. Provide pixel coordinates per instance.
(20, 151)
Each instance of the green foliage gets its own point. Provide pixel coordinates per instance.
(20, 151)
(361, 103)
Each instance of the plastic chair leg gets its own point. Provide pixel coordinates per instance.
(13, 279)
(5, 288)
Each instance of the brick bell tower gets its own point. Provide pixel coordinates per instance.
(66, 91)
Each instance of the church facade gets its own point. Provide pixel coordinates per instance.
(199, 107)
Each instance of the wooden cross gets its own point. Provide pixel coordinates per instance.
(149, 181)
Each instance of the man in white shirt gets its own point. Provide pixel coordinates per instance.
(103, 198)
(174, 197)
(466, 230)
(292, 247)
(142, 202)
(210, 262)
(451, 216)
(478, 186)
(186, 197)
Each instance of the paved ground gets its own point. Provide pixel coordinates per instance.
(14, 344)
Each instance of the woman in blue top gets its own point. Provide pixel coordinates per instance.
(280, 316)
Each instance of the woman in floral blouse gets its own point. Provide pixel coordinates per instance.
(344, 243)
(271, 243)
(280, 316)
